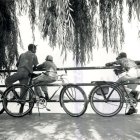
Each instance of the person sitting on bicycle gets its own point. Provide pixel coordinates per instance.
(131, 73)
(49, 76)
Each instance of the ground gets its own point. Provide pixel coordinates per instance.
(60, 126)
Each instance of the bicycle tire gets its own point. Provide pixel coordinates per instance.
(70, 96)
(14, 103)
(115, 101)
(1, 104)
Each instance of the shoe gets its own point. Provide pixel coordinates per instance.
(46, 97)
(134, 94)
(131, 111)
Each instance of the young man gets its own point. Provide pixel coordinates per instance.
(25, 65)
(131, 74)
(49, 76)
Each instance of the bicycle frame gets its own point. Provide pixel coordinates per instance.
(61, 78)
(115, 85)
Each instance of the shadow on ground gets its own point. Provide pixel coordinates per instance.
(64, 127)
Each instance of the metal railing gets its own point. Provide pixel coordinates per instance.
(67, 69)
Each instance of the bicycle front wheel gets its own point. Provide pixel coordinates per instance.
(106, 100)
(73, 100)
(1, 105)
(18, 100)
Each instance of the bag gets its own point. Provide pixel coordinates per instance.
(102, 90)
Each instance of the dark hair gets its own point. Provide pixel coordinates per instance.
(31, 47)
(122, 55)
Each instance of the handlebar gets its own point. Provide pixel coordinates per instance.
(61, 75)
(117, 70)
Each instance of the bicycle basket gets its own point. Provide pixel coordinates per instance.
(102, 90)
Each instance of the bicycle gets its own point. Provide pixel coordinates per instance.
(107, 98)
(72, 98)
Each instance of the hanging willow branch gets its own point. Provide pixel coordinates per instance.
(9, 34)
(133, 5)
(48, 17)
(83, 31)
(57, 23)
(112, 23)
(28, 6)
(73, 25)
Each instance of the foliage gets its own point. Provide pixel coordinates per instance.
(133, 5)
(73, 25)
(8, 34)
(112, 23)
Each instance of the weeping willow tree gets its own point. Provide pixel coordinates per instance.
(71, 25)
(8, 33)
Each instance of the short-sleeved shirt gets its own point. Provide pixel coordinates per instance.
(126, 63)
(27, 60)
(50, 68)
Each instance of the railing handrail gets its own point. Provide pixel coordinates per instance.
(71, 68)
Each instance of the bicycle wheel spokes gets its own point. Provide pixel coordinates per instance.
(70, 95)
(109, 105)
(18, 100)
(74, 101)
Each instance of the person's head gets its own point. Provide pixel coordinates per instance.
(32, 48)
(121, 55)
(49, 58)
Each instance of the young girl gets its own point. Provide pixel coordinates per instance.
(49, 76)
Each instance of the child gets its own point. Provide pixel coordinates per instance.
(49, 76)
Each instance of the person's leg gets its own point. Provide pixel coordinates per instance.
(12, 79)
(24, 81)
(129, 90)
(122, 79)
(47, 80)
(37, 88)
(131, 77)
(134, 93)
(45, 91)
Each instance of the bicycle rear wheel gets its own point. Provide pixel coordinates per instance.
(73, 100)
(17, 103)
(1, 105)
(109, 105)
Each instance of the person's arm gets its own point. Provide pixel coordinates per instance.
(111, 63)
(40, 66)
(35, 63)
(17, 64)
(137, 62)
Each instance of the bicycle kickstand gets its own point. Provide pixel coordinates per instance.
(47, 108)
(38, 111)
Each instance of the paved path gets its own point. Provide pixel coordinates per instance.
(63, 127)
